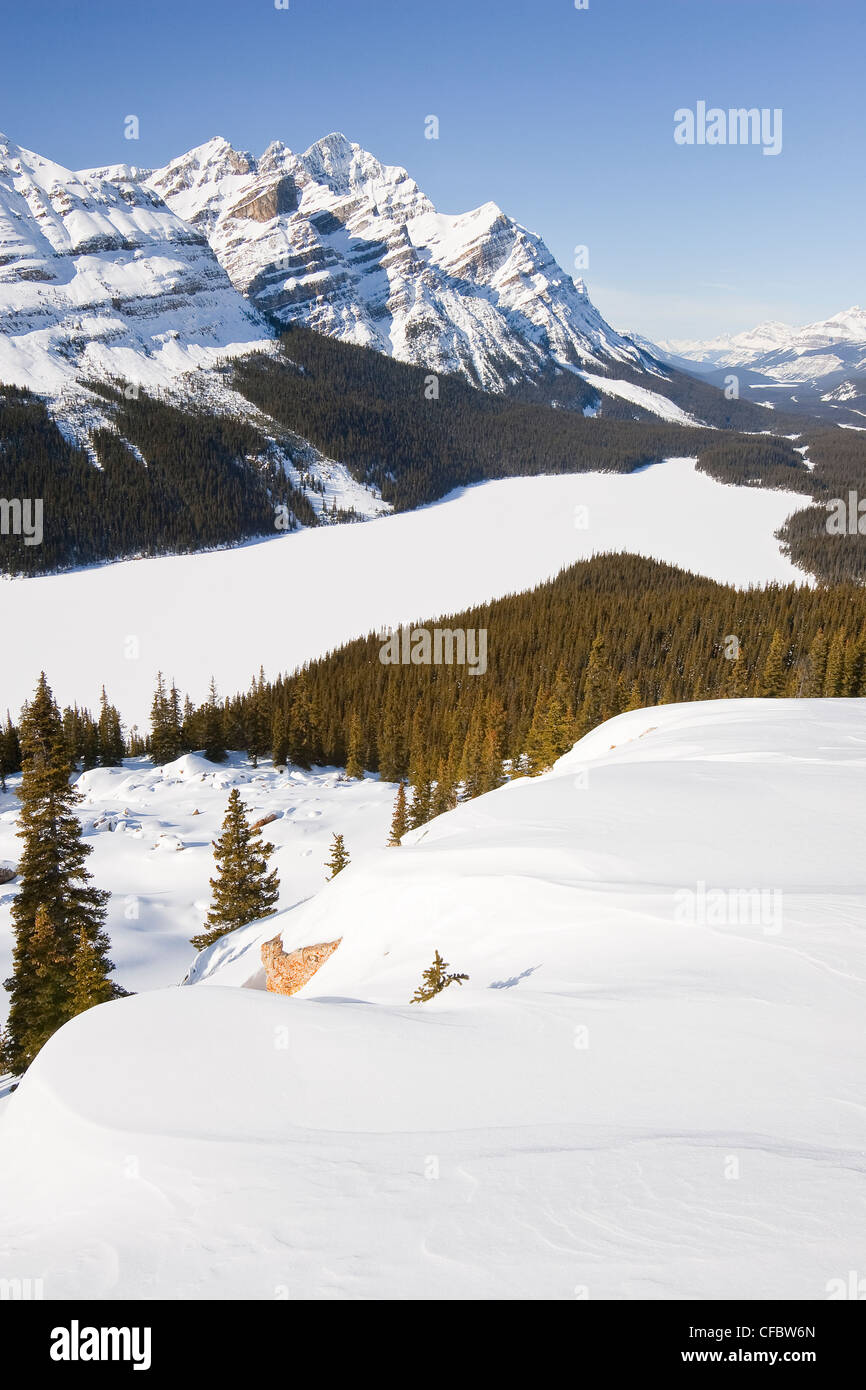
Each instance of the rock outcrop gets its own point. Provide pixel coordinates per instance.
(289, 971)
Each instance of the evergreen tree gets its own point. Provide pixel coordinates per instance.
(391, 768)
(56, 910)
(738, 682)
(835, 670)
(816, 666)
(192, 722)
(10, 751)
(110, 734)
(90, 984)
(594, 707)
(339, 858)
(212, 727)
(400, 819)
(635, 699)
(302, 726)
(434, 979)
(243, 888)
(165, 740)
(279, 739)
(175, 721)
(421, 805)
(445, 792)
(259, 722)
(354, 766)
(539, 744)
(774, 678)
(855, 659)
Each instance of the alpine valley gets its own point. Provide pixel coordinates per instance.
(204, 353)
(630, 822)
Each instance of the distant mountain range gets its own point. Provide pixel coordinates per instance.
(820, 365)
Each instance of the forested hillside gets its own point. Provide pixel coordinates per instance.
(194, 482)
(834, 555)
(416, 436)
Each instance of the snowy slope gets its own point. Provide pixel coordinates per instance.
(332, 584)
(99, 277)
(336, 240)
(620, 1103)
(151, 831)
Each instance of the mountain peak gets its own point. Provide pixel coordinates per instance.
(352, 247)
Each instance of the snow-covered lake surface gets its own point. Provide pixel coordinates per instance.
(280, 602)
(649, 1087)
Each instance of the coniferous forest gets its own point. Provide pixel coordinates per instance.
(415, 437)
(609, 634)
(168, 480)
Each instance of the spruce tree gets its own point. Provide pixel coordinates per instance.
(90, 984)
(738, 680)
(774, 678)
(634, 699)
(212, 727)
(817, 665)
(302, 726)
(280, 738)
(354, 766)
(540, 753)
(400, 819)
(391, 767)
(110, 734)
(444, 794)
(10, 752)
(56, 911)
(243, 889)
(834, 673)
(421, 805)
(434, 979)
(596, 689)
(339, 858)
(165, 740)
(175, 722)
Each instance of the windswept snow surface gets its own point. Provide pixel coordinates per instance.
(631, 1097)
(284, 601)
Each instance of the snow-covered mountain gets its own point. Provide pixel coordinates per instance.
(650, 1086)
(99, 277)
(336, 240)
(145, 275)
(814, 353)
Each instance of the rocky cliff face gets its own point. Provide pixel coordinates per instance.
(98, 276)
(350, 247)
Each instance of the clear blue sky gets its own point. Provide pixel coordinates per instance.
(563, 117)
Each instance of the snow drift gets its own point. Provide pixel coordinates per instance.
(633, 1096)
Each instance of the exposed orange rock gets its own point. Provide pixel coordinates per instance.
(289, 971)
